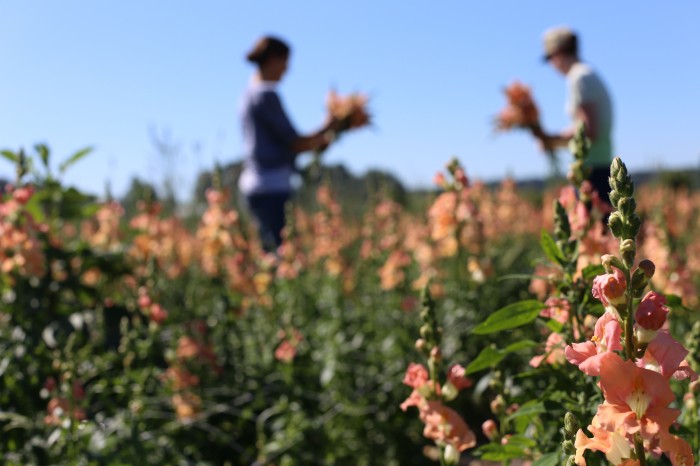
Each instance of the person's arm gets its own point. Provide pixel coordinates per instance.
(316, 140)
(585, 114)
(275, 117)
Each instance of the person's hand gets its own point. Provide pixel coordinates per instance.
(546, 142)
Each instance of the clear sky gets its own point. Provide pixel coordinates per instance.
(108, 74)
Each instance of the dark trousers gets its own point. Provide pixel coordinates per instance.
(269, 212)
(599, 179)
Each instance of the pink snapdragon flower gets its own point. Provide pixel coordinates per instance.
(667, 356)
(590, 355)
(610, 288)
(416, 375)
(444, 425)
(650, 316)
(456, 376)
(553, 351)
(557, 309)
(490, 429)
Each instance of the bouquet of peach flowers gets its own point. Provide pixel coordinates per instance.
(349, 112)
(521, 112)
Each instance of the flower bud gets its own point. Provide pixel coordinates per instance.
(606, 262)
(610, 288)
(490, 429)
(627, 251)
(451, 455)
(639, 282)
(614, 197)
(571, 425)
(615, 224)
(436, 354)
(420, 344)
(568, 447)
(652, 311)
(694, 386)
(648, 268)
(449, 391)
(690, 402)
(634, 223)
(497, 405)
(626, 206)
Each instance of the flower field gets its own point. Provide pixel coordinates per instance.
(489, 327)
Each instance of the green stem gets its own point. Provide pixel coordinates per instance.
(639, 450)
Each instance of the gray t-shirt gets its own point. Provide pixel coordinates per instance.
(267, 137)
(586, 87)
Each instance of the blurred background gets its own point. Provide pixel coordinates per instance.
(154, 87)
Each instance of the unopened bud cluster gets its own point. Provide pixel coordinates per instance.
(624, 222)
(562, 231)
(579, 147)
(458, 180)
(430, 332)
(571, 426)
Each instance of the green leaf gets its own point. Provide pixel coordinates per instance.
(9, 155)
(674, 300)
(34, 208)
(490, 356)
(592, 271)
(496, 452)
(550, 248)
(530, 409)
(512, 316)
(550, 459)
(43, 153)
(74, 158)
(555, 326)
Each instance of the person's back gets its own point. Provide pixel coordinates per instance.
(267, 136)
(587, 88)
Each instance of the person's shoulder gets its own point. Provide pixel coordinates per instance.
(580, 70)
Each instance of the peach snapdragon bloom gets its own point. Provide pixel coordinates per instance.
(553, 351)
(590, 356)
(610, 289)
(666, 356)
(286, 351)
(521, 111)
(677, 450)
(444, 425)
(350, 110)
(636, 400)
(616, 447)
(557, 309)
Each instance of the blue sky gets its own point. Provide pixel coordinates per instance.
(107, 74)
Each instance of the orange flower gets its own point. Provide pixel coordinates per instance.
(678, 450)
(636, 399)
(616, 447)
(444, 425)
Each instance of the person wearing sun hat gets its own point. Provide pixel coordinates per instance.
(588, 102)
